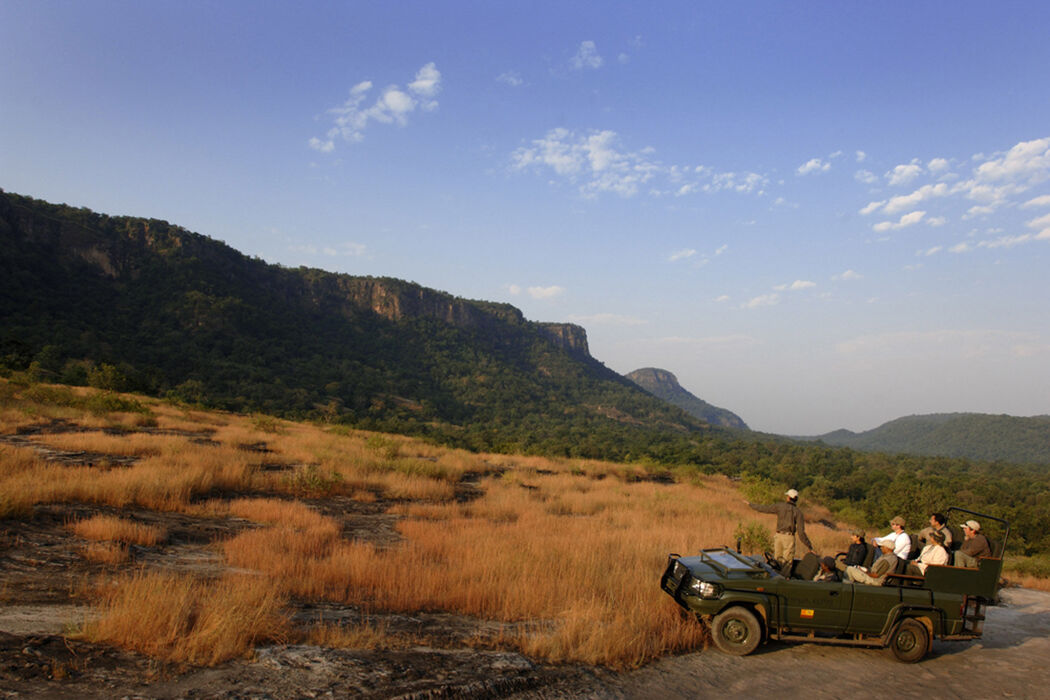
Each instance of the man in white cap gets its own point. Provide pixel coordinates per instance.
(790, 523)
(886, 564)
(974, 546)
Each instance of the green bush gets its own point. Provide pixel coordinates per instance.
(753, 538)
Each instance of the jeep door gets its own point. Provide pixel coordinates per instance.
(815, 605)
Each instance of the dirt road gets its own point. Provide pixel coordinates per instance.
(1011, 660)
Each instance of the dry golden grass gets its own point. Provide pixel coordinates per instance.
(113, 529)
(570, 551)
(180, 619)
(124, 445)
(111, 553)
(352, 637)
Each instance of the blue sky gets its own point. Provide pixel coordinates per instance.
(817, 215)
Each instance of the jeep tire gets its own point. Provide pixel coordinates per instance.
(910, 641)
(736, 631)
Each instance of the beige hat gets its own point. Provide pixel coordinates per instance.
(973, 525)
(791, 493)
(886, 543)
(897, 520)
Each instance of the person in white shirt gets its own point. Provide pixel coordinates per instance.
(934, 553)
(900, 539)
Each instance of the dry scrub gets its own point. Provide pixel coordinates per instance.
(568, 553)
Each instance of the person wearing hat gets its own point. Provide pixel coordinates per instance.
(886, 564)
(827, 571)
(790, 523)
(933, 553)
(974, 546)
(856, 554)
(900, 539)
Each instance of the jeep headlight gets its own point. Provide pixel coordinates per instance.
(706, 589)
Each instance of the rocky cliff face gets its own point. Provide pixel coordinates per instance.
(664, 385)
(81, 240)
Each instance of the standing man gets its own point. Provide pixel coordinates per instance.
(790, 523)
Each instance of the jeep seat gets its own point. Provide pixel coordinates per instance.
(807, 567)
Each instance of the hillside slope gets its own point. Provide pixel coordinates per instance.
(664, 385)
(131, 303)
(971, 435)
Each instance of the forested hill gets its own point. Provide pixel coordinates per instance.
(970, 435)
(140, 304)
(664, 385)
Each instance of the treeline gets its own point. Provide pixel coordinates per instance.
(979, 436)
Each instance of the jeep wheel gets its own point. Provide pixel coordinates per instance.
(910, 641)
(736, 631)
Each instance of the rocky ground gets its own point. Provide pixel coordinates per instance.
(41, 601)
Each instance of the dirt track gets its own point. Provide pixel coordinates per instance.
(1010, 661)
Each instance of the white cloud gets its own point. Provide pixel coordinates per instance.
(596, 162)
(722, 248)
(930, 251)
(936, 221)
(1043, 222)
(963, 247)
(546, 292)
(861, 155)
(509, 78)
(813, 165)
(722, 298)
(325, 146)
(907, 220)
(762, 300)
(937, 165)
(872, 206)
(1041, 201)
(586, 57)
(795, 286)
(1028, 161)
(865, 176)
(392, 106)
(907, 201)
(903, 174)
(848, 275)
(514, 289)
(681, 255)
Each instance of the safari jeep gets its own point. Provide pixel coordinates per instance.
(745, 602)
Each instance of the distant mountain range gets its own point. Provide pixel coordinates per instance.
(976, 436)
(664, 385)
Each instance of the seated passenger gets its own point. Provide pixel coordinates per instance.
(899, 538)
(886, 564)
(827, 571)
(974, 546)
(933, 553)
(857, 553)
(939, 523)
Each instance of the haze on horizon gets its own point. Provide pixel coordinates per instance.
(820, 216)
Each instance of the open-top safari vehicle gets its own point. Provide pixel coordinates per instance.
(745, 601)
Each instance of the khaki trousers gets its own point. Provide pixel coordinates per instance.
(784, 548)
